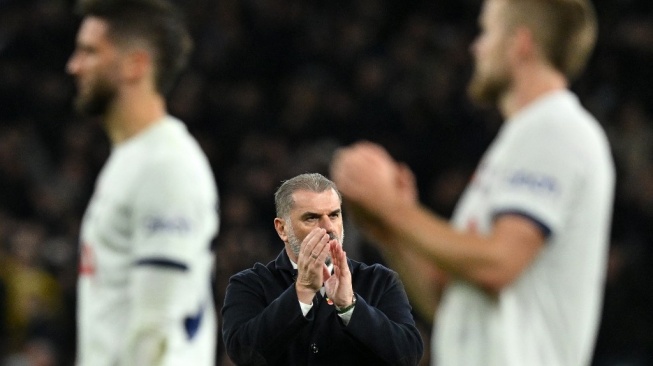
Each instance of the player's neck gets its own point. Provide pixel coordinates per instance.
(529, 84)
(130, 114)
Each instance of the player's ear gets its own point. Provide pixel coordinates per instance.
(280, 227)
(137, 64)
(522, 44)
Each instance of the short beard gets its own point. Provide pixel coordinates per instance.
(296, 245)
(97, 101)
(487, 91)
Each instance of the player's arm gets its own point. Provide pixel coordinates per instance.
(155, 292)
(492, 262)
(422, 280)
(174, 220)
(367, 176)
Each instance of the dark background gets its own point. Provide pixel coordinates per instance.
(273, 88)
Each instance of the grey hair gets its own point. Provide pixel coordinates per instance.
(313, 182)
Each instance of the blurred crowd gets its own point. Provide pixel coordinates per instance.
(274, 86)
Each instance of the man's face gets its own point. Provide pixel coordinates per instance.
(95, 66)
(491, 77)
(313, 210)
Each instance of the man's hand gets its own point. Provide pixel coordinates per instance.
(338, 286)
(311, 269)
(374, 186)
(367, 176)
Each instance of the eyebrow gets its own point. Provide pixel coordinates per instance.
(308, 214)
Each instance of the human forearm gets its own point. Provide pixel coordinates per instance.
(422, 280)
(157, 307)
(384, 192)
(491, 261)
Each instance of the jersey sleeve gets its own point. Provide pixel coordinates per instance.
(539, 179)
(174, 220)
(175, 215)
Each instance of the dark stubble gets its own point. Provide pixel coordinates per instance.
(97, 101)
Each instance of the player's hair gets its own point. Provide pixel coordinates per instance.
(313, 182)
(156, 23)
(566, 30)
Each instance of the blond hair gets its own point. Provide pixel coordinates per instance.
(566, 30)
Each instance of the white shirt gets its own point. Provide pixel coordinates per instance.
(551, 163)
(146, 262)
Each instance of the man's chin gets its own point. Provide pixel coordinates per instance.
(486, 92)
(88, 109)
(94, 103)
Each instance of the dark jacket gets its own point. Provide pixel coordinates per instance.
(263, 322)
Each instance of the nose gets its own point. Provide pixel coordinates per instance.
(72, 65)
(329, 226)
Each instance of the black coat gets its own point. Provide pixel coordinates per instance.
(263, 322)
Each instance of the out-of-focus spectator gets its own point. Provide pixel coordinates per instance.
(35, 352)
(33, 295)
(4, 333)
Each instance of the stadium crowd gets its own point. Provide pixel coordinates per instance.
(274, 87)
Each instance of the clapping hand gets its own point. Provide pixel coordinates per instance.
(338, 286)
(311, 270)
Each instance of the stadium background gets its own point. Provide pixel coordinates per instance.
(273, 88)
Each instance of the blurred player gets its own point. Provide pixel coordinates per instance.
(525, 257)
(144, 292)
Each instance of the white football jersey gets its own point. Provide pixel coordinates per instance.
(551, 163)
(146, 259)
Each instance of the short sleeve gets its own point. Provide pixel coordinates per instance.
(539, 180)
(174, 214)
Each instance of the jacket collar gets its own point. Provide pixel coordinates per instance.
(284, 266)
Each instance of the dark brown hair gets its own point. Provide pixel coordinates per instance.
(156, 23)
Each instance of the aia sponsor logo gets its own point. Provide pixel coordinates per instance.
(539, 183)
(156, 224)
